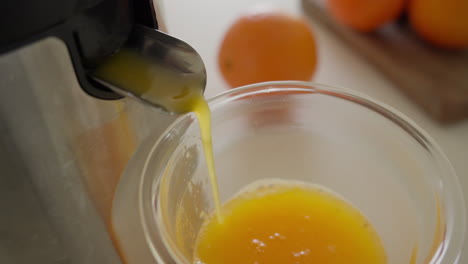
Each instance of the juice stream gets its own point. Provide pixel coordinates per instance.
(203, 113)
(131, 72)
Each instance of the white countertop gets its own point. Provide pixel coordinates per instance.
(202, 24)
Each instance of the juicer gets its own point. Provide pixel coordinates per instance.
(65, 137)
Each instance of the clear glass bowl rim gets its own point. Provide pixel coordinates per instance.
(450, 248)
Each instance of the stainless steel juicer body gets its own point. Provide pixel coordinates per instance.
(62, 150)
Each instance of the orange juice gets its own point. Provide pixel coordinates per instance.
(288, 222)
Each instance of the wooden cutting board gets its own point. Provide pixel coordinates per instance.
(435, 79)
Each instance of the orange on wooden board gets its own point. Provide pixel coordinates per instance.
(267, 45)
(366, 15)
(443, 23)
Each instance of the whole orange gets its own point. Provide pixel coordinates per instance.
(267, 45)
(365, 15)
(443, 23)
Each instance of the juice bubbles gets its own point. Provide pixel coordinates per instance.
(288, 222)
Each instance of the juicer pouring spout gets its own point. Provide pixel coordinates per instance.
(153, 67)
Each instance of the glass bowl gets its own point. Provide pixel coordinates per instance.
(370, 154)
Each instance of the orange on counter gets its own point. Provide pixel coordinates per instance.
(267, 45)
(366, 15)
(443, 23)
